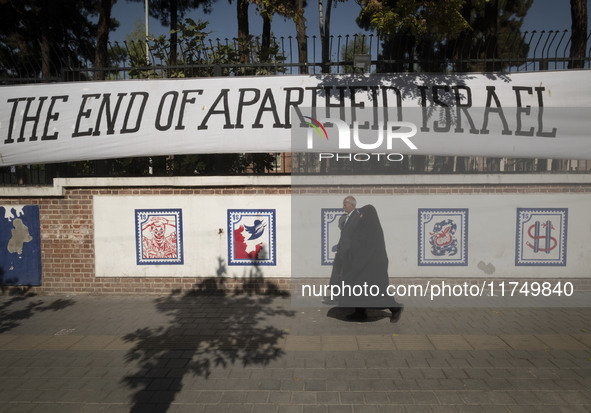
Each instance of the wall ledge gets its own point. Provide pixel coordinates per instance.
(61, 184)
(444, 179)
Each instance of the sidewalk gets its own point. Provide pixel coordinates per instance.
(245, 353)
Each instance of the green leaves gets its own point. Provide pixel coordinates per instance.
(389, 18)
(198, 57)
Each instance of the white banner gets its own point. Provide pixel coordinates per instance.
(102, 120)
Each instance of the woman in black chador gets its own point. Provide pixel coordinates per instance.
(367, 269)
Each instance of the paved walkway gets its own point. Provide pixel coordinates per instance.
(247, 353)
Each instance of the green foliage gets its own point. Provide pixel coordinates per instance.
(285, 8)
(497, 36)
(392, 17)
(197, 58)
(358, 45)
(161, 9)
(271, 58)
(424, 35)
(34, 31)
(191, 44)
(413, 30)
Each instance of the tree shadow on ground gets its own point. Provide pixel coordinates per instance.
(213, 326)
(22, 306)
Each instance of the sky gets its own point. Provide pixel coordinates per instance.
(543, 15)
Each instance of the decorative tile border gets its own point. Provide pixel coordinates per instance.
(541, 236)
(251, 237)
(330, 233)
(159, 236)
(443, 236)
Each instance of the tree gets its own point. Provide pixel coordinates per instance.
(302, 39)
(47, 32)
(105, 25)
(476, 35)
(268, 8)
(101, 60)
(13, 50)
(391, 17)
(409, 28)
(495, 35)
(243, 30)
(266, 36)
(41, 39)
(168, 12)
(324, 27)
(495, 40)
(293, 9)
(578, 11)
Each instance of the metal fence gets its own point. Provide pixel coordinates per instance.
(526, 52)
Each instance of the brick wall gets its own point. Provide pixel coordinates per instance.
(67, 232)
(67, 244)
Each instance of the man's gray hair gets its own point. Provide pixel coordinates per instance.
(351, 200)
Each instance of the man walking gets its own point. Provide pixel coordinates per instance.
(347, 224)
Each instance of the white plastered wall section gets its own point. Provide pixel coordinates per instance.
(492, 229)
(205, 239)
(491, 233)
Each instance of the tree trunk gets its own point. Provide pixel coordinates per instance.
(578, 11)
(491, 15)
(300, 22)
(45, 56)
(101, 59)
(243, 32)
(326, 39)
(461, 51)
(266, 38)
(102, 167)
(174, 9)
(321, 20)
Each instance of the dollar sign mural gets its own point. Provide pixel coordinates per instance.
(549, 241)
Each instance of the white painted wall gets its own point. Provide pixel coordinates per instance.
(205, 248)
(491, 233)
